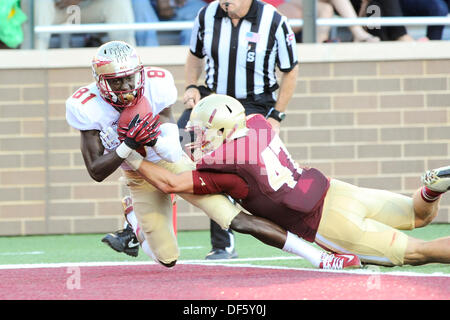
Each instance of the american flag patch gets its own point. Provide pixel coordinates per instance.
(290, 37)
(252, 37)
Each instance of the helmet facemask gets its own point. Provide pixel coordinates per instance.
(205, 139)
(215, 120)
(122, 98)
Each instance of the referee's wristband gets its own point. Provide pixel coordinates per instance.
(191, 86)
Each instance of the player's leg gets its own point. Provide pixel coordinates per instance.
(348, 224)
(403, 212)
(217, 207)
(222, 241)
(365, 221)
(424, 209)
(273, 235)
(420, 252)
(154, 227)
(125, 240)
(220, 209)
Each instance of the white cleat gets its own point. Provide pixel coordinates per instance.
(437, 179)
(334, 261)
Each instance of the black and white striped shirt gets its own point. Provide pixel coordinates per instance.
(241, 60)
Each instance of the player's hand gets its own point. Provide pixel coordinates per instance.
(141, 132)
(191, 97)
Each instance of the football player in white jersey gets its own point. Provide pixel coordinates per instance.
(121, 81)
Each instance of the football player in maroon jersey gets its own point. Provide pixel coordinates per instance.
(247, 160)
(99, 111)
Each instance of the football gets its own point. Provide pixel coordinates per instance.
(142, 108)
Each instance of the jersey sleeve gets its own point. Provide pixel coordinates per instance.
(79, 116)
(287, 46)
(161, 84)
(211, 183)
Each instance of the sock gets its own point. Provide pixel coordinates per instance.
(131, 218)
(300, 247)
(231, 247)
(430, 195)
(146, 248)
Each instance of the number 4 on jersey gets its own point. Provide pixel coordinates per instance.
(277, 173)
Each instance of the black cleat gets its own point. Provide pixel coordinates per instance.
(123, 241)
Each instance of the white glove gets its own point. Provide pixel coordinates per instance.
(110, 139)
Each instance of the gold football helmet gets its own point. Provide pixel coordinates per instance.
(215, 120)
(114, 63)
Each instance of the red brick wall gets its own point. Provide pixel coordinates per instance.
(375, 124)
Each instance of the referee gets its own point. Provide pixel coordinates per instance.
(239, 44)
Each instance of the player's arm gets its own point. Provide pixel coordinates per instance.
(165, 180)
(99, 165)
(196, 182)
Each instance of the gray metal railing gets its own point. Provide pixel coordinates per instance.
(180, 25)
(309, 25)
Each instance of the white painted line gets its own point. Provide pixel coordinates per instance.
(75, 264)
(192, 248)
(131, 263)
(245, 259)
(372, 270)
(366, 271)
(21, 253)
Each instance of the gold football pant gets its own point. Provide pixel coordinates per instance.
(153, 210)
(366, 222)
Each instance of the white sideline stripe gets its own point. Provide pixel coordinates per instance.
(221, 263)
(20, 253)
(357, 271)
(130, 263)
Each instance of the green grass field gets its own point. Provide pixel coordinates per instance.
(194, 245)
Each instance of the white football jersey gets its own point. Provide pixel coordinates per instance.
(86, 109)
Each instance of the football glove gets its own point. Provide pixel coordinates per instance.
(140, 132)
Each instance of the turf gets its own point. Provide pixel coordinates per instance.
(194, 245)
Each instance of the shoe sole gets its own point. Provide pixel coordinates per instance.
(120, 248)
(443, 174)
(113, 244)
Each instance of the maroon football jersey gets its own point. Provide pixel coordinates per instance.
(278, 189)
